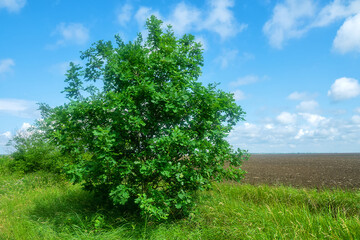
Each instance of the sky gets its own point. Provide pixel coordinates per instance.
(293, 65)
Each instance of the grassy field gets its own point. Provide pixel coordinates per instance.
(45, 206)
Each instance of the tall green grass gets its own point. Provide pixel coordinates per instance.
(45, 206)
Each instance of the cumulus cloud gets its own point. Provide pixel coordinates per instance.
(141, 15)
(218, 18)
(289, 20)
(6, 134)
(124, 14)
(286, 118)
(344, 88)
(261, 137)
(6, 65)
(26, 130)
(184, 18)
(12, 5)
(221, 19)
(19, 108)
(70, 33)
(314, 119)
(356, 119)
(336, 10)
(249, 79)
(238, 95)
(144, 13)
(306, 133)
(348, 36)
(24, 127)
(307, 106)
(4, 139)
(202, 41)
(298, 96)
(293, 18)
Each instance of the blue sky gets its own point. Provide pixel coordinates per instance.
(293, 65)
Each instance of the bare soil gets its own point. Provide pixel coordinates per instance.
(304, 170)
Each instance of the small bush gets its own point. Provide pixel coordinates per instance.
(33, 153)
(4, 163)
(153, 135)
(4, 159)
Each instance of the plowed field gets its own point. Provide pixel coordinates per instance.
(304, 170)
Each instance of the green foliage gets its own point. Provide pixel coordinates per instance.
(152, 134)
(33, 152)
(5, 160)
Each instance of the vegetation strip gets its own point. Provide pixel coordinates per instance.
(45, 206)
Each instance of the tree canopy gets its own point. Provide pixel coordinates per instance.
(139, 125)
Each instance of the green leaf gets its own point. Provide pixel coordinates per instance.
(120, 195)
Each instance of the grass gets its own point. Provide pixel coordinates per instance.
(45, 206)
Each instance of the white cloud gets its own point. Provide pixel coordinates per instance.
(356, 119)
(260, 137)
(19, 108)
(202, 41)
(238, 95)
(221, 19)
(6, 65)
(348, 36)
(218, 18)
(357, 110)
(316, 134)
(12, 105)
(12, 5)
(314, 119)
(4, 139)
(249, 79)
(302, 133)
(25, 126)
(336, 10)
(306, 133)
(307, 106)
(289, 20)
(300, 96)
(294, 18)
(184, 18)
(143, 13)
(71, 33)
(6, 134)
(344, 88)
(26, 130)
(124, 14)
(286, 118)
